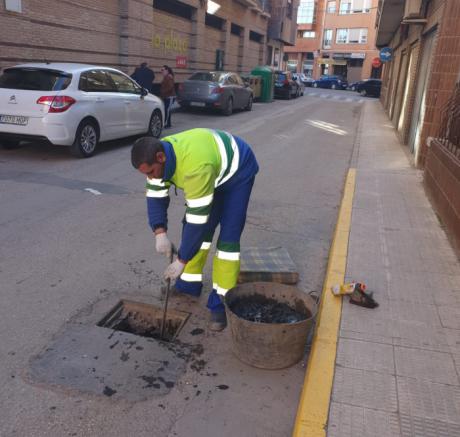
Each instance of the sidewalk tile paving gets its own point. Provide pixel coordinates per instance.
(397, 366)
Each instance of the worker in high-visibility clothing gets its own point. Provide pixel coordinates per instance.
(216, 170)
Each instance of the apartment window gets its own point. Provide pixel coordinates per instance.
(354, 6)
(256, 37)
(174, 7)
(308, 34)
(351, 36)
(236, 30)
(327, 41)
(341, 36)
(331, 7)
(214, 21)
(306, 12)
(13, 5)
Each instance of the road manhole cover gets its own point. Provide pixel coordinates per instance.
(144, 320)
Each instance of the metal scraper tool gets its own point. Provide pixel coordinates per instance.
(168, 288)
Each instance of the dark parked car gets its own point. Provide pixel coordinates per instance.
(220, 90)
(331, 81)
(369, 87)
(285, 86)
(352, 86)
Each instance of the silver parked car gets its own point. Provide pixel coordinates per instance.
(220, 90)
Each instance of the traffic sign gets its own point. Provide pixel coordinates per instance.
(386, 54)
(376, 62)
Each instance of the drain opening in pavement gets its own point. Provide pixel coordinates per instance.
(144, 320)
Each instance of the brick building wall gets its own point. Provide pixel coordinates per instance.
(442, 164)
(401, 78)
(335, 21)
(125, 33)
(445, 71)
(64, 31)
(351, 60)
(304, 48)
(415, 94)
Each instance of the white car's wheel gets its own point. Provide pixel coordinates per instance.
(156, 124)
(86, 139)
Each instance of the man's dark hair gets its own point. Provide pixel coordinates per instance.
(144, 64)
(144, 151)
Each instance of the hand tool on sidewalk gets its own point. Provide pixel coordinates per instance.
(168, 288)
(357, 294)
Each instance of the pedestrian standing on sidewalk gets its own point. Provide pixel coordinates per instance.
(167, 93)
(216, 171)
(144, 76)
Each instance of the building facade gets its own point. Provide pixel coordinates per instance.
(187, 35)
(281, 30)
(421, 93)
(337, 37)
(308, 39)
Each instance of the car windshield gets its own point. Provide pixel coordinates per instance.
(34, 79)
(207, 76)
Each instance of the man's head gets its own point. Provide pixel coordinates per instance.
(144, 65)
(148, 156)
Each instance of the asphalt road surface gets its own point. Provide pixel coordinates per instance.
(74, 235)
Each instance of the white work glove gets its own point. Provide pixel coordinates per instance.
(163, 245)
(174, 270)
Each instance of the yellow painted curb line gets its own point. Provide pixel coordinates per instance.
(313, 410)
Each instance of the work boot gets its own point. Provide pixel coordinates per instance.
(218, 321)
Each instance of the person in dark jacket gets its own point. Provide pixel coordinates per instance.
(167, 93)
(144, 76)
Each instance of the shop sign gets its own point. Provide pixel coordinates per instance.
(348, 55)
(331, 61)
(341, 55)
(181, 61)
(376, 63)
(170, 43)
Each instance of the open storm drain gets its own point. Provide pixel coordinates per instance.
(144, 320)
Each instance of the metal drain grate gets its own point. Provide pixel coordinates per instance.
(144, 320)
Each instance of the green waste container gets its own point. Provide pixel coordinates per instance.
(268, 82)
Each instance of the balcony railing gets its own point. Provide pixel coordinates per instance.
(449, 129)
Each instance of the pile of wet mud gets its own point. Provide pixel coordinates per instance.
(260, 309)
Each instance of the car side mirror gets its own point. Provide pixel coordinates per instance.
(144, 92)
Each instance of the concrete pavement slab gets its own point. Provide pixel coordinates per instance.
(428, 399)
(351, 421)
(425, 365)
(415, 273)
(423, 427)
(366, 389)
(365, 355)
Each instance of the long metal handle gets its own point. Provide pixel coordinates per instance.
(168, 287)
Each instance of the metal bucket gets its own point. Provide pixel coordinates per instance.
(270, 345)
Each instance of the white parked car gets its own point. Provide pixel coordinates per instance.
(74, 105)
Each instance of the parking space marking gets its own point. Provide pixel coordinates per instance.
(92, 191)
